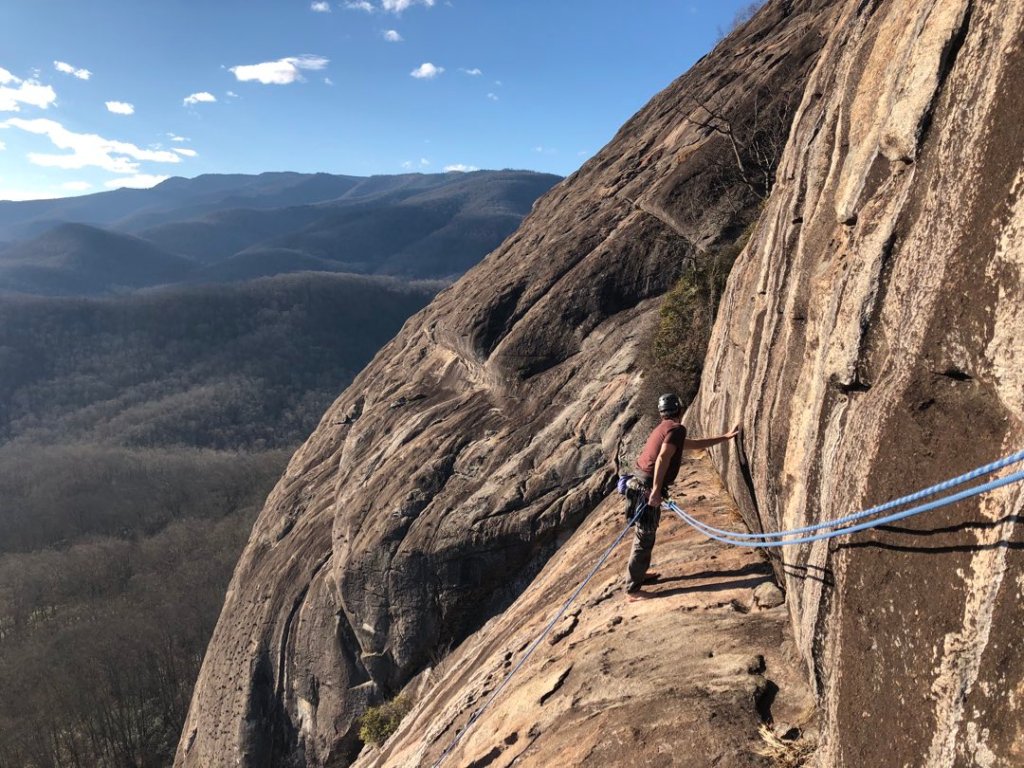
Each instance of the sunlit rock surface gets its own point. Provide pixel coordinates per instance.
(685, 677)
(872, 337)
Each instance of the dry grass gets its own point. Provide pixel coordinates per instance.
(784, 754)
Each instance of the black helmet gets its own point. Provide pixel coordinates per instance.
(669, 403)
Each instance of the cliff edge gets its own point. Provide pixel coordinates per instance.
(476, 442)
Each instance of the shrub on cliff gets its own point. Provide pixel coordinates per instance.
(679, 339)
(378, 723)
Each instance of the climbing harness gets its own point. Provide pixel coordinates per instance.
(842, 526)
(636, 491)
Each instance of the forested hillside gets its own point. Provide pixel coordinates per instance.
(139, 435)
(103, 628)
(239, 366)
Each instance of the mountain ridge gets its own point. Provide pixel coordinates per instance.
(117, 208)
(415, 225)
(74, 259)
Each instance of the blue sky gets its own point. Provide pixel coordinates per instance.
(108, 93)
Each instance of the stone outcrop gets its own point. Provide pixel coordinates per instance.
(872, 337)
(476, 442)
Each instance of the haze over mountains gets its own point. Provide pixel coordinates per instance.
(234, 227)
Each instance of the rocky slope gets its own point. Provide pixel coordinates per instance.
(444, 478)
(871, 336)
(683, 678)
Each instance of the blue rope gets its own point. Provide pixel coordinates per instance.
(965, 494)
(1013, 458)
(476, 715)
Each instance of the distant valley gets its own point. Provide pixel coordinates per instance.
(162, 353)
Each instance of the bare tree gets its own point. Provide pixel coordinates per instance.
(745, 14)
(756, 140)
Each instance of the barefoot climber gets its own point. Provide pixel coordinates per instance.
(656, 469)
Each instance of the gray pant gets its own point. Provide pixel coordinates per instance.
(644, 533)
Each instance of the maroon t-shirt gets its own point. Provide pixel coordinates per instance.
(669, 431)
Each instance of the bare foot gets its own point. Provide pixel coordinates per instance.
(651, 576)
(638, 595)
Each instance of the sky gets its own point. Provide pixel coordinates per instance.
(110, 93)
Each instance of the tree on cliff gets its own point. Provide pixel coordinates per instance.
(756, 139)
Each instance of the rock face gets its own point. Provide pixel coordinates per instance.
(684, 677)
(872, 337)
(479, 439)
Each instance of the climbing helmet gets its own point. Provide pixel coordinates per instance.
(669, 403)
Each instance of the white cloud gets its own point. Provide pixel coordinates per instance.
(27, 92)
(280, 72)
(407, 165)
(397, 6)
(232, 95)
(76, 186)
(121, 108)
(474, 71)
(492, 96)
(424, 162)
(175, 137)
(87, 149)
(67, 69)
(460, 168)
(185, 152)
(24, 194)
(2, 146)
(392, 36)
(426, 71)
(328, 81)
(360, 5)
(320, 7)
(139, 181)
(196, 98)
